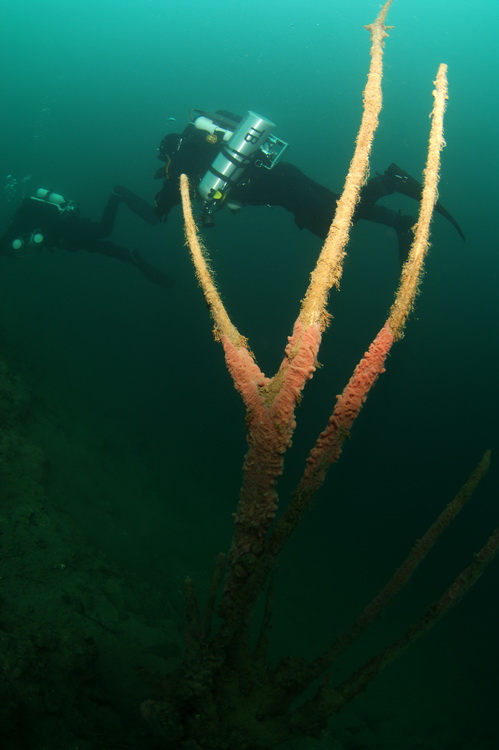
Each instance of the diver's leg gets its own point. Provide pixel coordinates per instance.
(151, 272)
(401, 223)
(134, 203)
(108, 218)
(137, 205)
(131, 255)
(396, 180)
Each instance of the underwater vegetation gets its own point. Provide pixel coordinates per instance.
(226, 693)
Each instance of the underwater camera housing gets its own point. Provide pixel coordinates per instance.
(251, 135)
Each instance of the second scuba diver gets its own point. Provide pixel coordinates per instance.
(46, 220)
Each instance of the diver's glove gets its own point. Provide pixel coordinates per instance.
(154, 274)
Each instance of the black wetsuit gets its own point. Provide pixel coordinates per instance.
(64, 230)
(311, 204)
(67, 230)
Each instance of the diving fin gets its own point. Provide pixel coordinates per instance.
(153, 273)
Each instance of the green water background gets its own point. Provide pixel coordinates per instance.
(149, 453)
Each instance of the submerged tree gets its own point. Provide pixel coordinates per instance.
(225, 693)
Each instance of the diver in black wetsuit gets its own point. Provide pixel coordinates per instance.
(236, 161)
(47, 220)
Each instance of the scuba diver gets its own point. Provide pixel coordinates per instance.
(235, 161)
(47, 220)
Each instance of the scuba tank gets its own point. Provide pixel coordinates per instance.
(47, 196)
(232, 160)
(205, 123)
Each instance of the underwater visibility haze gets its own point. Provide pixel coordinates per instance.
(121, 435)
